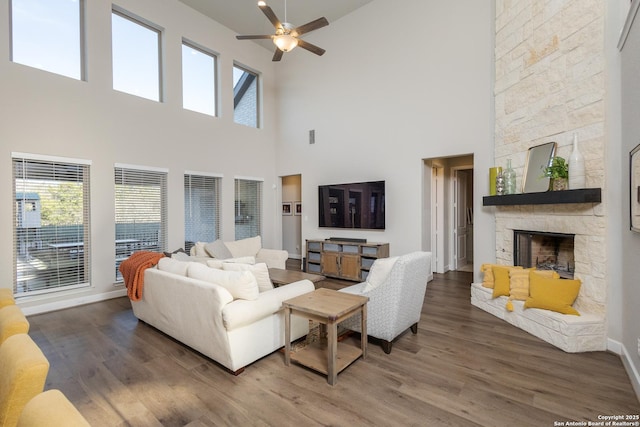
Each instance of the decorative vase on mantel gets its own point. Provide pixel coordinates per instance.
(509, 179)
(577, 178)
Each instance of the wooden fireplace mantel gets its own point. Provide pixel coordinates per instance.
(582, 195)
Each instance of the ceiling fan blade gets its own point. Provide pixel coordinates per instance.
(270, 15)
(311, 47)
(313, 25)
(264, 36)
(277, 55)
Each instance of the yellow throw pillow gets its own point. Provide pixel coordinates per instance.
(519, 281)
(502, 283)
(488, 279)
(553, 294)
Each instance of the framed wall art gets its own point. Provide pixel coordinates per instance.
(286, 208)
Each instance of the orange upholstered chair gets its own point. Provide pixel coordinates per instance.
(51, 409)
(23, 371)
(12, 322)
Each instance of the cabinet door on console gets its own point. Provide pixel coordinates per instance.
(330, 265)
(350, 267)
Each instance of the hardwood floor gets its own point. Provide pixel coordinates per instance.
(463, 368)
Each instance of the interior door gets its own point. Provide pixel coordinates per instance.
(461, 222)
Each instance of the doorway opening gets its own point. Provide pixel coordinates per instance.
(448, 212)
(292, 215)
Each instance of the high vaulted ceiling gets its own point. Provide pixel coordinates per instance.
(244, 16)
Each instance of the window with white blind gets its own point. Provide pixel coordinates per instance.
(141, 211)
(51, 233)
(248, 209)
(201, 208)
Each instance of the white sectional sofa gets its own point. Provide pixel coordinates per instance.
(244, 248)
(570, 333)
(178, 299)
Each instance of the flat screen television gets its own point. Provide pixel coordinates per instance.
(358, 205)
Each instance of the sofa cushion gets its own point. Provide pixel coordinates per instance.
(219, 263)
(241, 284)
(260, 271)
(171, 265)
(245, 247)
(553, 294)
(198, 249)
(379, 272)
(218, 249)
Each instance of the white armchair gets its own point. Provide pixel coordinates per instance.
(396, 287)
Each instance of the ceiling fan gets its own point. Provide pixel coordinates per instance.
(286, 36)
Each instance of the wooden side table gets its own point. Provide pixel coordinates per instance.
(328, 307)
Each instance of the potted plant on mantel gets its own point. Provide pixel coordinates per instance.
(558, 171)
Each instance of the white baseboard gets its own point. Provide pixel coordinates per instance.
(73, 302)
(295, 256)
(632, 371)
(614, 346)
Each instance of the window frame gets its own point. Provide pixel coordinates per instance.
(82, 43)
(124, 247)
(217, 220)
(68, 252)
(214, 55)
(123, 13)
(238, 94)
(259, 202)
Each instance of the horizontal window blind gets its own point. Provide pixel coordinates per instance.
(201, 209)
(248, 208)
(140, 212)
(52, 249)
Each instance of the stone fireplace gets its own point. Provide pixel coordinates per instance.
(550, 82)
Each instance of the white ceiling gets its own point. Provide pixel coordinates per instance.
(244, 16)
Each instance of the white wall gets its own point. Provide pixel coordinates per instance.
(400, 82)
(44, 113)
(630, 242)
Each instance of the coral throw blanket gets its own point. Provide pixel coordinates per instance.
(133, 268)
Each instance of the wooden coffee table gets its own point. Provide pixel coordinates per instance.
(283, 277)
(327, 307)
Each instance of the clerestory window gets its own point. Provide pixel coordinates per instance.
(136, 56)
(245, 97)
(198, 79)
(49, 35)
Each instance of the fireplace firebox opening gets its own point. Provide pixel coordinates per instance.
(544, 251)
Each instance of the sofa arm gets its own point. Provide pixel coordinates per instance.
(243, 312)
(274, 258)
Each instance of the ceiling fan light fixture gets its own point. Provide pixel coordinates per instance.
(285, 42)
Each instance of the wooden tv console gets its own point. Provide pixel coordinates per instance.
(346, 260)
